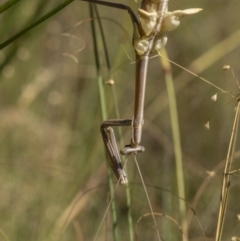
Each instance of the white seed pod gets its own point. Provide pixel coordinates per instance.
(226, 67)
(141, 46)
(214, 97)
(160, 42)
(211, 173)
(207, 125)
(110, 82)
(172, 19)
(148, 21)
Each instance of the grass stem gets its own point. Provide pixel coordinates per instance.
(176, 139)
(227, 178)
(104, 117)
(34, 24)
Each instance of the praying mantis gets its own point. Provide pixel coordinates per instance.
(141, 40)
(149, 36)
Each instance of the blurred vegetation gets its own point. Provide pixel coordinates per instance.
(52, 158)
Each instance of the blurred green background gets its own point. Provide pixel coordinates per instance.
(52, 158)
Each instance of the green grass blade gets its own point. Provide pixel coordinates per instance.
(176, 140)
(104, 117)
(128, 194)
(34, 24)
(7, 5)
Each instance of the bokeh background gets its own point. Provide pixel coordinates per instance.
(52, 158)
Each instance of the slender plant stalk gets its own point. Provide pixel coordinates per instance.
(127, 188)
(117, 115)
(176, 139)
(104, 117)
(146, 193)
(11, 53)
(227, 178)
(7, 5)
(34, 24)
